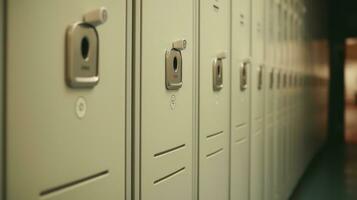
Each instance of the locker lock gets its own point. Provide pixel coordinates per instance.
(244, 75)
(260, 77)
(279, 80)
(291, 79)
(217, 68)
(82, 50)
(271, 79)
(296, 80)
(173, 65)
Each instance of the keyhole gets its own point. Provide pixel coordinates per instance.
(175, 64)
(219, 70)
(244, 75)
(85, 47)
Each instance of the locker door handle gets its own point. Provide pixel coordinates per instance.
(271, 83)
(217, 70)
(244, 75)
(279, 80)
(260, 77)
(173, 65)
(82, 50)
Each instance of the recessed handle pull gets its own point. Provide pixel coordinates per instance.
(244, 75)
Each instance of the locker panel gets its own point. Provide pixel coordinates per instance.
(257, 43)
(241, 29)
(268, 162)
(268, 133)
(284, 134)
(257, 102)
(290, 133)
(240, 47)
(240, 162)
(166, 110)
(70, 132)
(214, 104)
(276, 135)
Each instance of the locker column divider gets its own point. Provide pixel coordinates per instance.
(136, 99)
(2, 98)
(230, 96)
(129, 101)
(250, 82)
(196, 99)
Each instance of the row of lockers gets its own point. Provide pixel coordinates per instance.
(164, 99)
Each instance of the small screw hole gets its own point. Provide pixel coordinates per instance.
(85, 47)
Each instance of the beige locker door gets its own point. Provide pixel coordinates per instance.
(214, 103)
(240, 99)
(276, 135)
(166, 114)
(64, 143)
(257, 99)
(270, 82)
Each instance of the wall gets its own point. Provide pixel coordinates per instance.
(351, 70)
(350, 80)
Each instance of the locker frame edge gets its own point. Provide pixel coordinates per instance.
(128, 100)
(2, 93)
(136, 98)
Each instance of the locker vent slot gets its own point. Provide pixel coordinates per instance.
(169, 175)
(239, 125)
(214, 153)
(169, 150)
(240, 140)
(72, 184)
(214, 134)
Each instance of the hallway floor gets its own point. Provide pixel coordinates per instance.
(332, 175)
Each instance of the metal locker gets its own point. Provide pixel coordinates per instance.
(257, 102)
(165, 103)
(276, 135)
(270, 81)
(214, 101)
(276, 100)
(65, 142)
(240, 98)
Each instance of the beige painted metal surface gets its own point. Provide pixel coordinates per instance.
(254, 140)
(240, 99)
(166, 113)
(257, 102)
(213, 104)
(269, 87)
(64, 143)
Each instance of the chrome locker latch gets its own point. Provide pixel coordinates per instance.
(217, 68)
(279, 80)
(260, 77)
(82, 50)
(285, 80)
(173, 65)
(244, 75)
(271, 82)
